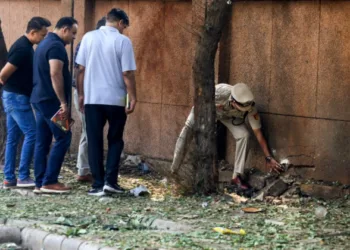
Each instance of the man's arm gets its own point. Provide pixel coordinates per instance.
(56, 73)
(272, 163)
(6, 72)
(130, 82)
(3, 49)
(80, 86)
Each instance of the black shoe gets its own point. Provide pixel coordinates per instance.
(96, 192)
(113, 189)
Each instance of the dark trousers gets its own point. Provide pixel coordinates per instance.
(47, 169)
(96, 117)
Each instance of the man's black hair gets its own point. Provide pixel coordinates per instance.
(37, 23)
(117, 15)
(101, 22)
(66, 22)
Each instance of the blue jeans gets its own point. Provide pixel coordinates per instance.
(48, 163)
(19, 119)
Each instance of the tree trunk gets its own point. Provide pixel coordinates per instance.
(204, 107)
(3, 59)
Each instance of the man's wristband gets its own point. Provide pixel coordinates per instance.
(268, 158)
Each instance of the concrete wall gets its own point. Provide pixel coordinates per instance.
(294, 54)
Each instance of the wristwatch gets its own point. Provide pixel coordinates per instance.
(268, 158)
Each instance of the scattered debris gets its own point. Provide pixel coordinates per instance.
(110, 227)
(277, 187)
(229, 231)
(151, 222)
(251, 210)
(259, 180)
(106, 200)
(320, 212)
(140, 191)
(259, 197)
(204, 204)
(143, 167)
(274, 222)
(236, 198)
(132, 160)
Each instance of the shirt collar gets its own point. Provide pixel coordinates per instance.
(27, 40)
(55, 37)
(109, 28)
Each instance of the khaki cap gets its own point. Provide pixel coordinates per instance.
(241, 93)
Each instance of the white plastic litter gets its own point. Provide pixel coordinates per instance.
(139, 191)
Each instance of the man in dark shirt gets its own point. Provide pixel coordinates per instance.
(17, 78)
(3, 50)
(51, 93)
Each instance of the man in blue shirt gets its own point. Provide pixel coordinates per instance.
(51, 92)
(17, 77)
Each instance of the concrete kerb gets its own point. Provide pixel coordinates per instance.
(10, 235)
(33, 238)
(36, 239)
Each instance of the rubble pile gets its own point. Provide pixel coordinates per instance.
(278, 189)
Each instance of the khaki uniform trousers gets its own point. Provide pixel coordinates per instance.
(240, 133)
(82, 161)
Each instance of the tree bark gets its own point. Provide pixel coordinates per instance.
(204, 107)
(3, 59)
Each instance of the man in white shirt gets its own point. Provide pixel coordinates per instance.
(106, 75)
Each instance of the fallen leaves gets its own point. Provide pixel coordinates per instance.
(251, 210)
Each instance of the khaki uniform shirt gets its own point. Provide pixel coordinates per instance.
(222, 97)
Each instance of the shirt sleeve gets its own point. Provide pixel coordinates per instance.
(254, 118)
(17, 57)
(80, 57)
(127, 57)
(56, 53)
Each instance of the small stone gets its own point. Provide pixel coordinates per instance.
(259, 197)
(259, 180)
(277, 188)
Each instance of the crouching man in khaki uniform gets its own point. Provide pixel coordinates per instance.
(233, 105)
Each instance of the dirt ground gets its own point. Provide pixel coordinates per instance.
(118, 221)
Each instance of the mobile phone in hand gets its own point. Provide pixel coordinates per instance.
(127, 101)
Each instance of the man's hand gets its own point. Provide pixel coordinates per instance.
(129, 110)
(274, 166)
(64, 112)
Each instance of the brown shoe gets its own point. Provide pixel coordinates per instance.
(84, 178)
(57, 188)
